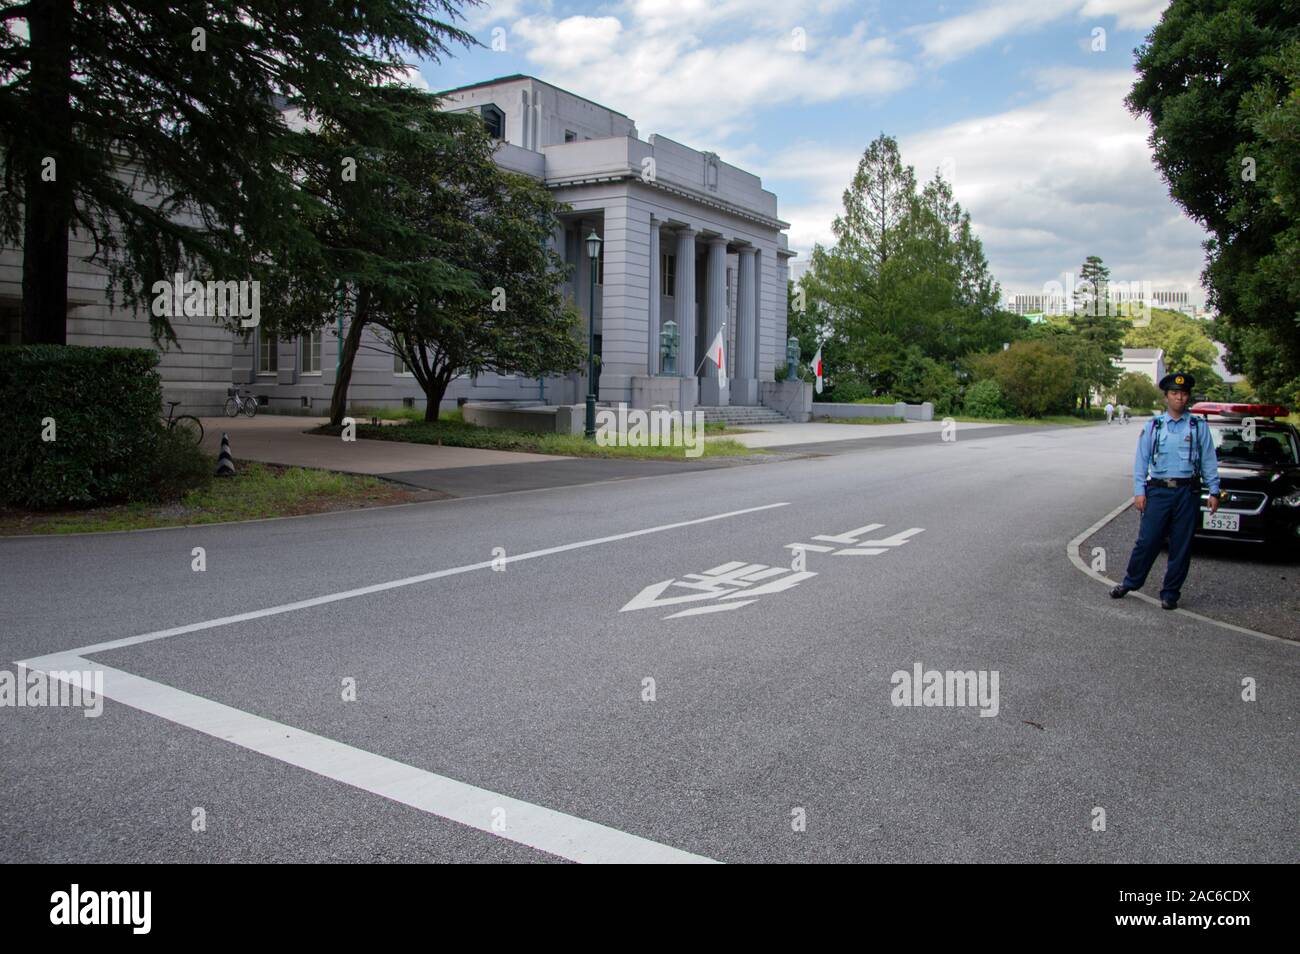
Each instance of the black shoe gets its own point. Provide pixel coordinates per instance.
(1169, 604)
(1118, 590)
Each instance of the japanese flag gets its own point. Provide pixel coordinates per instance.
(717, 357)
(817, 368)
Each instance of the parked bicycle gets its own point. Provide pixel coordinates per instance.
(185, 422)
(240, 402)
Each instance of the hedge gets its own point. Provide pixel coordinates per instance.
(104, 405)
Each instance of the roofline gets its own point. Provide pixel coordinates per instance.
(525, 76)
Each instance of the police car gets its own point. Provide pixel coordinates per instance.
(1259, 474)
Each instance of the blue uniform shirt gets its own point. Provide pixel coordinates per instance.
(1175, 454)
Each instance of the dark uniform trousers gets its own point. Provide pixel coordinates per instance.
(1171, 512)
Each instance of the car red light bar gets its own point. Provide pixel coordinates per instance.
(1238, 410)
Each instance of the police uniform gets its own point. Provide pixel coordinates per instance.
(1173, 458)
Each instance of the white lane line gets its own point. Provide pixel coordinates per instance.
(556, 833)
(407, 581)
(1072, 551)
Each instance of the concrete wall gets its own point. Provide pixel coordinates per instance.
(910, 412)
(538, 114)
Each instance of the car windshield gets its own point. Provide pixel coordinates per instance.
(1261, 446)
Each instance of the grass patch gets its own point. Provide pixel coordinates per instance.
(392, 413)
(861, 420)
(255, 492)
(457, 433)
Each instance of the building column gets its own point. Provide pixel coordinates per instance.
(712, 393)
(744, 389)
(652, 354)
(684, 295)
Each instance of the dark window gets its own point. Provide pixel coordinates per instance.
(495, 120)
(667, 273)
(570, 136)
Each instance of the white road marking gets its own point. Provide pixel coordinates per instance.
(407, 581)
(556, 833)
(542, 828)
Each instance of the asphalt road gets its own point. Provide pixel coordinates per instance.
(517, 701)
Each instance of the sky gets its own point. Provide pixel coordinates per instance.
(1019, 102)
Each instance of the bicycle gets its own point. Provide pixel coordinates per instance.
(186, 422)
(237, 402)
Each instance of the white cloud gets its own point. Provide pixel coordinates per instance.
(953, 38)
(671, 82)
(411, 76)
(1046, 184)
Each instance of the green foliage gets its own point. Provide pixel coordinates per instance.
(1034, 377)
(984, 399)
(906, 280)
(1094, 282)
(105, 405)
(1219, 81)
(1136, 391)
(1091, 343)
(180, 467)
(108, 86)
(1186, 343)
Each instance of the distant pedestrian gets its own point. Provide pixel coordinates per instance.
(1110, 413)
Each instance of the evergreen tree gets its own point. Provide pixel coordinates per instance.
(155, 128)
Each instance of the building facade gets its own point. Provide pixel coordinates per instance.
(690, 245)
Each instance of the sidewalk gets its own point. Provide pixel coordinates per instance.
(280, 439)
(815, 432)
(459, 471)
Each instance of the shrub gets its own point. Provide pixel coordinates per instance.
(1034, 378)
(102, 405)
(1136, 391)
(847, 391)
(984, 399)
(180, 467)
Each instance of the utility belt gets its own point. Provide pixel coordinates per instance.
(1173, 482)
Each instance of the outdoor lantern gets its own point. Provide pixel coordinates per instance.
(593, 252)
(668, 348)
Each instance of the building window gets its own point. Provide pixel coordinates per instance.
(400, 367)
(309, 348)
(570, 136)
(495, 120)
(268, 346)
(667, 273)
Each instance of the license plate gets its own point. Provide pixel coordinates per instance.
(1220, 521)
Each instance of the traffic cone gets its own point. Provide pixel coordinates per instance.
(225, 463)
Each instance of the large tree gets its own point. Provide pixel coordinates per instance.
(155, 127)
(381, 185)
(1094, 286)
(516, 319)
(1219, 81)
(905, 283)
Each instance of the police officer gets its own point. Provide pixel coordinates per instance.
(1175, 452)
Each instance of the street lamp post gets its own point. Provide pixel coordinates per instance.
(593, 253)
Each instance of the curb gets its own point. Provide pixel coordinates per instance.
(1072, 551)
